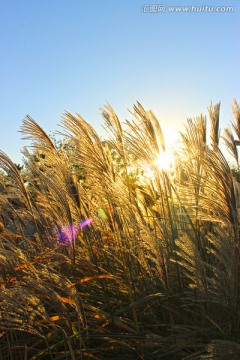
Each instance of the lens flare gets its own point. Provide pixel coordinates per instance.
(102, 214)
(84, 223)
(68, 233)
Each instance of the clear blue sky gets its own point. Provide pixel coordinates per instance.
(75, 55)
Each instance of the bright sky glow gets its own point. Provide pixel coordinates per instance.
(170, 136)
(75, 55)
(165, 160)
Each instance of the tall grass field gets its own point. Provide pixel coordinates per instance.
(108, 251)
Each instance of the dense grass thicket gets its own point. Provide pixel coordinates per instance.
(104, 254)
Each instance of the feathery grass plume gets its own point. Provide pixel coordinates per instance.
(224, 269)
(191, 173)
(209, 173)
(201, 124)
(213, 112)
(230, 143)
(153, 190)
(144, 136)
(208, 188)
(194, 268)
(217, 207)
(16, 202)
(220, 198)
(151, 126)
(15, 179)
(32, 131)
(195, 134)
(88, 146)
(48, 156)
(236, 113)
(113, 128)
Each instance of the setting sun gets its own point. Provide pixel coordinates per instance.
(165, 160)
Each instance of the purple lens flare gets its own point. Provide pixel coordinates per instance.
(85, 223)
(68, 233)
